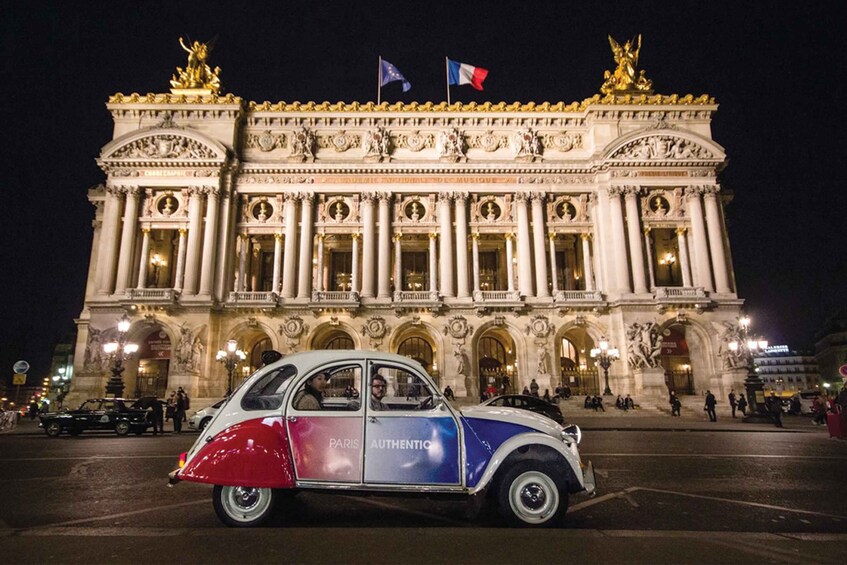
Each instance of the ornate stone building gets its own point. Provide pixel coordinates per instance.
(485, 240)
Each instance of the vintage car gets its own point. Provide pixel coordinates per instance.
(289, 427)
(531, 403)
(97, 414)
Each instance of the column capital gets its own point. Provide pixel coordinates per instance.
(681, 231)
(586, 236)
(355, 235)
(383, 197)
(184, 230)
(445, 197)
(509, 236)
(631, 191)
(551, 235)
(278, 237)
(692, 192)
(475, 235)
(291, 196)
(367, 198)
(615, 191)
(647, 230)
(461, 197)
(537, 197)
(521, 197)
(433, 236)
(145, 230)
(710, 191)
(398, 236)
(321, 236)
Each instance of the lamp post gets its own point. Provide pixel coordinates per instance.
(118, 352)
(605, 356)
(746, 349)
(230, 358)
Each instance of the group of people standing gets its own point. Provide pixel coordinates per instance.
(173, 408)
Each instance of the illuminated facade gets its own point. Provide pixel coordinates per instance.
(485, 240)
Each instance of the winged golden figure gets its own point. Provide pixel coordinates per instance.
(197, 74)
(626, 77)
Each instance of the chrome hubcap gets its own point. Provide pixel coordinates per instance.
(246, 504)
(533, 496)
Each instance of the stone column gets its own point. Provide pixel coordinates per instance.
(319, 278)
(553, 268)
(354, 275)
(433, 263)
(180, 259)
(649, 247)
(524, 248)
(384, 247)
(195, 228)
(713, 224)
(145, 251)
(106, 258)
(510, 263)
(619, 241)
(541, 290)
(703, 270)
(599, 202)
(304, 284)
(207, 269)
(475, 243)
(398, 263)
(462, 290)
(684, 261)
(225, 244)
(586, 261)
(446, 250)
(243, 247)
(289, 261)
(368, 263)
(633, 225)
(128, 237)
(277, 261)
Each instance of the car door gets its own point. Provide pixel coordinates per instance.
(326, 441)
(87, 415)
(408, 441)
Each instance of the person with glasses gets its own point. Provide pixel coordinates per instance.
(378, 389)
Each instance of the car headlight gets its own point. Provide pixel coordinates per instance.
(572, 433)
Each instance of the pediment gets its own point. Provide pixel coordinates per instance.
(664, 145)
(164, 146)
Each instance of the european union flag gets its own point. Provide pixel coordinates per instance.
(390, 74)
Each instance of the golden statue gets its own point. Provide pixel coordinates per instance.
(625, 80)
(197, 75)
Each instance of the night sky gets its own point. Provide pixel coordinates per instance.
(777, 73)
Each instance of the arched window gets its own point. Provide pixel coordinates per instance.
(569, 359)
(256, 353)
(339, 340)
(492, 354)
(418, 349)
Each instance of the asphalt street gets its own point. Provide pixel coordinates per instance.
(674, 491)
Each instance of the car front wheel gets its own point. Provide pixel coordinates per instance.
(533, 494)
(53, 429)
(203, 423)
(242, 507)
(122, 428)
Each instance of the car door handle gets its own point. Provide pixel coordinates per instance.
(372, 419)
(292, 418)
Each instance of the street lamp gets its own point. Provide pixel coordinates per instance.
(118, 352)
(746, 349)
(605, 356)
(230, 358)
(668, 259)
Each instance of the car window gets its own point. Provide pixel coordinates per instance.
(90, 405)
(219, 403)
(341, 390)
(405, 390)
(110, 405)
(265, 393)
(498, 402)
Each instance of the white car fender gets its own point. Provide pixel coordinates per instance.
(520, 440)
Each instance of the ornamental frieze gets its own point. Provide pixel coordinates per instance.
(339, 142)
(164, 146)
(302, 146)
(265, 141)
(376, 144)
(488, 141)
(662, 147)
(571, 179)
(415, 140)
(451, 146)
(526, 145)
(562, 141)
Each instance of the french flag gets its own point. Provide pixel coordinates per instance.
(462, 73)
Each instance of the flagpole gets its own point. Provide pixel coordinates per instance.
(379, 83)
(447, 72)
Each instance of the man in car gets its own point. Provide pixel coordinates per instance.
(379, 387)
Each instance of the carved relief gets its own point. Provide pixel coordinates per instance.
(568, 209)
(265, 141)
(415, 141)
(93, 350)
(539, 326)
(644, 343)
(562, 141)
(293, 328)
(376, 145)
(375, 328)
(189, 350)
(340, 142)
(488, 141)
(451, 146)
(660, 203)
(458, 328)
(731, 333)
(164, 146)
(302, 146)
(662, 147)
(526, 146)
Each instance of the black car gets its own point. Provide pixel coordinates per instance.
(98, 414)
(531, 403)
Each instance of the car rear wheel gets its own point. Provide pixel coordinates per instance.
(533, 494)
(203, 423)
(242, 507)
(53, 429)
(122, 428)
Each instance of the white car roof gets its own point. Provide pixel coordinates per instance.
(321, 356)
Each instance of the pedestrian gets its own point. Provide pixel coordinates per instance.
(742, 404)
(186, 401)
(732, 403)
(157, 414)
(842, 399)
(588, 400)
(619, 403)
(547, 395)
(597, 402)
(675, 404)
(525, 391)
(448, 393)
(507, 384)
(629, 403)
(533, 388)
(567, 391)
(710, 406)
(179, 411)
(775, 408)
(490, 391)
(171, 406)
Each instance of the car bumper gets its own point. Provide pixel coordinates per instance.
(589, 482)
(173, 477)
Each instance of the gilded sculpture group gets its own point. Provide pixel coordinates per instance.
(625, 79)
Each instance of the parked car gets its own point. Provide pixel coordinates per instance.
(200, 419)
(807, 398)
(116, 414)
(531, 403)
(288, 428)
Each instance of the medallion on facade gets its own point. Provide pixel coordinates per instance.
(302, 146)
(262, 210)
(266, 141)
(488, 141)
(644, 345)
(539, 326)
(458, 328)
(376, 144)
(415, 141)
(339, 142)
(375, 328)
(562, 141)
(293, 329)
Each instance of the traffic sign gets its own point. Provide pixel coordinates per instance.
(21, 367)
(842, 370)
(19, 379)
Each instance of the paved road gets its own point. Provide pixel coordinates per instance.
(694, 493)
